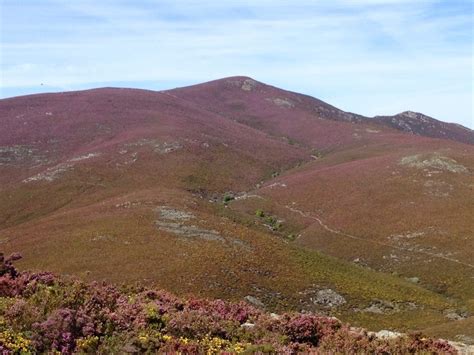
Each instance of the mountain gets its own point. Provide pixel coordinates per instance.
(240, 190)
(422, 125)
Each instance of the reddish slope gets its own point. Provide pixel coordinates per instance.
(86, 178)
(404, 209)
(43, 130)
(308, 120)
(301, 119)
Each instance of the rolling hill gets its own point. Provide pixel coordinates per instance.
(239, 190)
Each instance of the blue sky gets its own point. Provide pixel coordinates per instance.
(365, 56)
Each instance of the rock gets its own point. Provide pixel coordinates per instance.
(19, 154)
(51, 173)
(368, 130)
(189, 231)
(388, 334)
(438, 188)
(466, 339)
(247, 325)
(156, 145)
(254, 301)
(174, 214)
(85, 157)
(415, 279)
(381, 307)
(282, 102)
(433, 161)
(453, 314)
(328, 298)
(175, 221)
(249, 85)
(462, 349)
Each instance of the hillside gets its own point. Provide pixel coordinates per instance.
(238, 190)
(43, 313)
(420, 124)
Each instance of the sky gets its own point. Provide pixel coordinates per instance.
(372, 57)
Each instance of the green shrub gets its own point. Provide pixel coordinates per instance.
(227, 198)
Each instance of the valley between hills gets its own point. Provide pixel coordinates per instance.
(238, 190)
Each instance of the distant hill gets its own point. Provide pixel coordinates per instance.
(422, 125)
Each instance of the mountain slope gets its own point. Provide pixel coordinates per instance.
(164, 188)
(308, 119)
(420, 124)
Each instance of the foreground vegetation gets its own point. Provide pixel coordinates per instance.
(40, 312)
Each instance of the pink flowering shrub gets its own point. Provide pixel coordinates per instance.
(308, 328)
(42, 313)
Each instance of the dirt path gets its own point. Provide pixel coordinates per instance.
(338, 232)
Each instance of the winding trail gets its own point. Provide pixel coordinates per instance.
(338, 232)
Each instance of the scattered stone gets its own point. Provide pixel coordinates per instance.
(387, 307)
(368, 130)
(173, 214)
(254, 301)
(433, 161)
(285, 103)
(17, 154)
(276, 184)
(128, 204)
(174, 221)
(361, 262)
(465, 339)
(407, 235)
(462, 349)
(50, 174)
(414, 279)
(438, 188)
(381, 307)
(249, 85)
(245, 196)
(189, 231)
(157, 145)
(410, 306)
(103, 238)
(328, 298)
(84, 157)
(247, 325)
(453, 314)
(388, 334)
(274, 316)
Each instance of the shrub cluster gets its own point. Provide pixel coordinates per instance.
(40, 312)
(271, 221)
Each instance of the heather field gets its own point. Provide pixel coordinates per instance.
(40, 312)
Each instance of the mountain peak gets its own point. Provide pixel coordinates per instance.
(412, 114)
(245, 83)
(423, 125)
